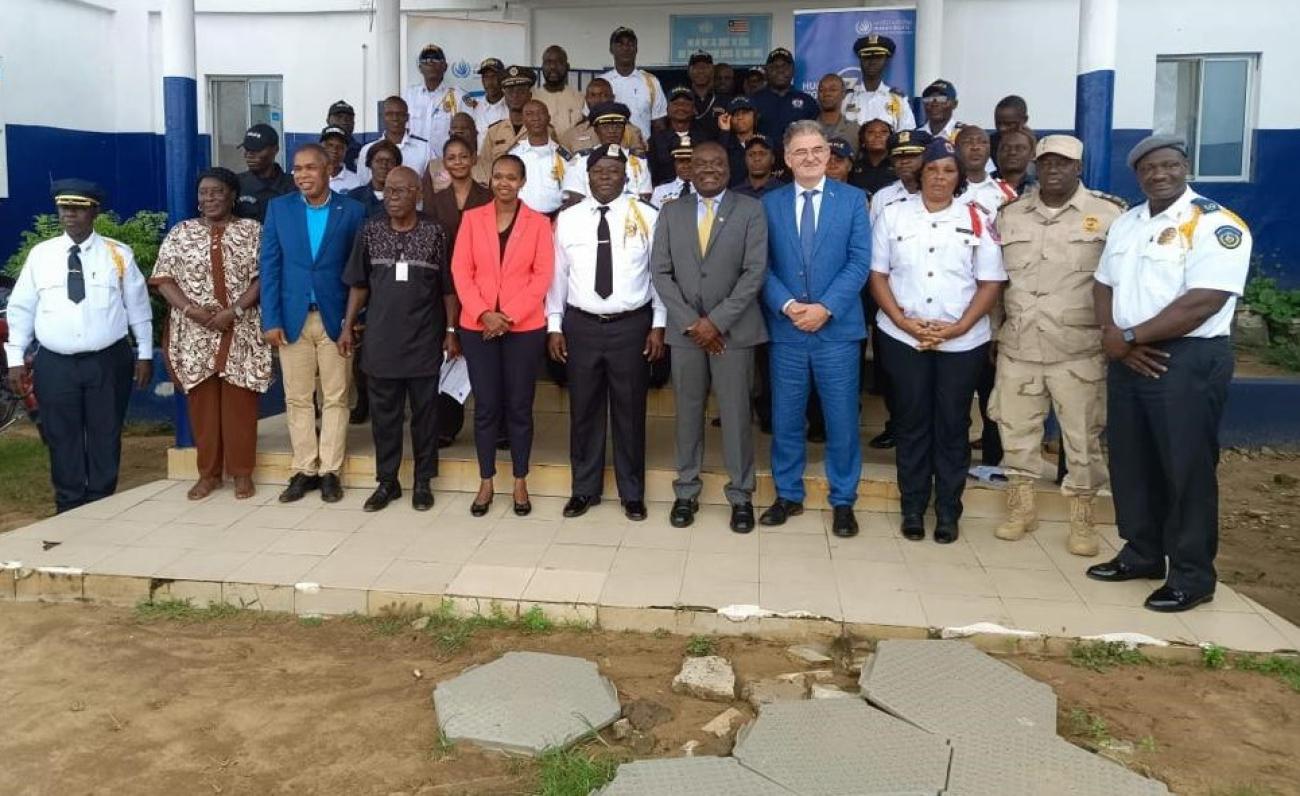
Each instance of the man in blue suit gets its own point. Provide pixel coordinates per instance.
(819, 253)
(306, 241)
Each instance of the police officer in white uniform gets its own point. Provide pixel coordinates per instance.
(545, 161)
(432, 102)
(76, 297)
(415, 150)
(606, 323)
(636, 88)
(872, 97)
(905, 150)
(491, 107)
(936, 271)
(1165, 293)
(681, 184)
(609, 119)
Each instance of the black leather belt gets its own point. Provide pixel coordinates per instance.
(607, 317)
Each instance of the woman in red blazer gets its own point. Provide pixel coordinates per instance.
(502, 264)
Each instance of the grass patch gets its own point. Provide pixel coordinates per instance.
(1214, 656)
(573, 772)
(185, 611)
(443, 747)
(1089, 725)
(1285, 669)
(25, 475)
(311, 621)
(451, 632)
(701, 646)
(535, 620)
(1100, 656)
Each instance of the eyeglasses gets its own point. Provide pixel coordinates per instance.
(813, 152)
(934, 99)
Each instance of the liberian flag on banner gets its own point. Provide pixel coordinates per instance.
(738, 27)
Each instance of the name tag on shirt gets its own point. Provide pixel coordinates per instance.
(401, 270)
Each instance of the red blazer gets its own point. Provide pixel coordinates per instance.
(517, 286)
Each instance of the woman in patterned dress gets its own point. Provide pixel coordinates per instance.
(207, 270)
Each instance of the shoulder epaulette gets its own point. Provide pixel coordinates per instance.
(418, 138)
(979, 207)
(902, 198)
(498, 122)
(1206, 205)
(893, 90)
(646, 202)
(562, 152)
(1113, 199)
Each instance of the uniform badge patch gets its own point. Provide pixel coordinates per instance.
(1167, 235)
(1229, 237)
(797, 102)
(1091, 223)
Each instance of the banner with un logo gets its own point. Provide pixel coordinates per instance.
(823, 43)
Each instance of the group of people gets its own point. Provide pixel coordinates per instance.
(767, 234)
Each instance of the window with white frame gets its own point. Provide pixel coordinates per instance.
(1209, 100)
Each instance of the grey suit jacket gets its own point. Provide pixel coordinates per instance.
(725, 282)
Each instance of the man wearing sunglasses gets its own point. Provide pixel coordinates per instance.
(939, 100)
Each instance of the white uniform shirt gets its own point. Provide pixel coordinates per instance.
(345, 180)
(885, 196)
(545, 171)
(949, 130)
(861, 106)
(1149, 261)
(415, 154)
(631, 229)
(933, 261)
(39, 305)
(487, 114)
(643, 95)
(431, 113)
(638, 175)
(668, 192)
(990, 194)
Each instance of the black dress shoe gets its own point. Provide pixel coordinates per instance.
(523, 509)
(578, 505)
(742, 517)
(1115, 570)
(816, 434)
(780, 511)
(421, 497)
(882, 441)
(945, 530)
(913, 527)
(385, 493)
(635, 510)
(477, 509)
(331, 488)
(358, 415)
(682, 513)
(843, 523)
(299, 485)
(1168, 600)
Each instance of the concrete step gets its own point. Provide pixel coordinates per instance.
(550, 473)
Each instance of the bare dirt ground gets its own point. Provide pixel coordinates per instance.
(102, 700)
(1259, 529)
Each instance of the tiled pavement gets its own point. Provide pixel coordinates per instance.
(317, 558)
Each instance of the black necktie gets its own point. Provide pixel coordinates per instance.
(686, 190)
(76, 279)
(604, 257)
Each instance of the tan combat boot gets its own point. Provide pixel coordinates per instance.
(1022, 517)
(1083, 540)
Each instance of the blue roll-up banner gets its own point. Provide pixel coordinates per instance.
(823, 43)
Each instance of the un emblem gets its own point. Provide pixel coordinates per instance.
(863, 27)
(462, 69)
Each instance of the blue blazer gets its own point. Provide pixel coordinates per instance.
(841, 262)
(289, 273)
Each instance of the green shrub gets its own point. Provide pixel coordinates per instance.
(1276, 305)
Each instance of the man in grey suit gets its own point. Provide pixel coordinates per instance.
(709, 261)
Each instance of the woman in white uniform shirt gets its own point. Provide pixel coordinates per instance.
(936, 272)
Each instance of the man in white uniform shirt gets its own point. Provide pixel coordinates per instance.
(636, 88)
(872, 97)
(544, 160)
(415, 150)
(609, 120)
(432, 103)
(681, 185)
(491, 107)
(76, 297)
(1165, 292)
(606, 323)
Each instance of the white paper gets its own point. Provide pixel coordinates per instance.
(401, 274)
(454, 379)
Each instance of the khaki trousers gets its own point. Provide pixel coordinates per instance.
(315, 354)
(1076, 389)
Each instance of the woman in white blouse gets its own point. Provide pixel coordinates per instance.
(936, 272)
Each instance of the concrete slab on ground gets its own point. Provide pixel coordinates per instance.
(842, 746)
(525, 703)
(954, 690)
(690, 776)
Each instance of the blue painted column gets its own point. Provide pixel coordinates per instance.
(1094, 90)
(181, 140)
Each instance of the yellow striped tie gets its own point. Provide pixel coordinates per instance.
(706, 225)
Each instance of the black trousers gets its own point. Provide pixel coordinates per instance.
(932, 395)
(503, 375)
(608, 376)
(991, 439)
(451, 414)
(388, 399)
(1164, 450)
(763, 395)
(83, 400)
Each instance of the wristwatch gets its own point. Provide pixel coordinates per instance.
(1130, 336)
(451, 330)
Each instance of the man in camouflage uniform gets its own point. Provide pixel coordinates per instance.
(1049, 346)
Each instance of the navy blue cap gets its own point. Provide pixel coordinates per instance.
(908, 142)
(610, 112)
(758, 140)
(699, 55)
(259, 137)
(940, 87)
(432, 52)
(938, 149)
(740, 104)
(874, 45)
(680, 92)
(74, 192)
(335, 131)
(840, 147)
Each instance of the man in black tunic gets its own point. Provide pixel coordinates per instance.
(400, 272)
